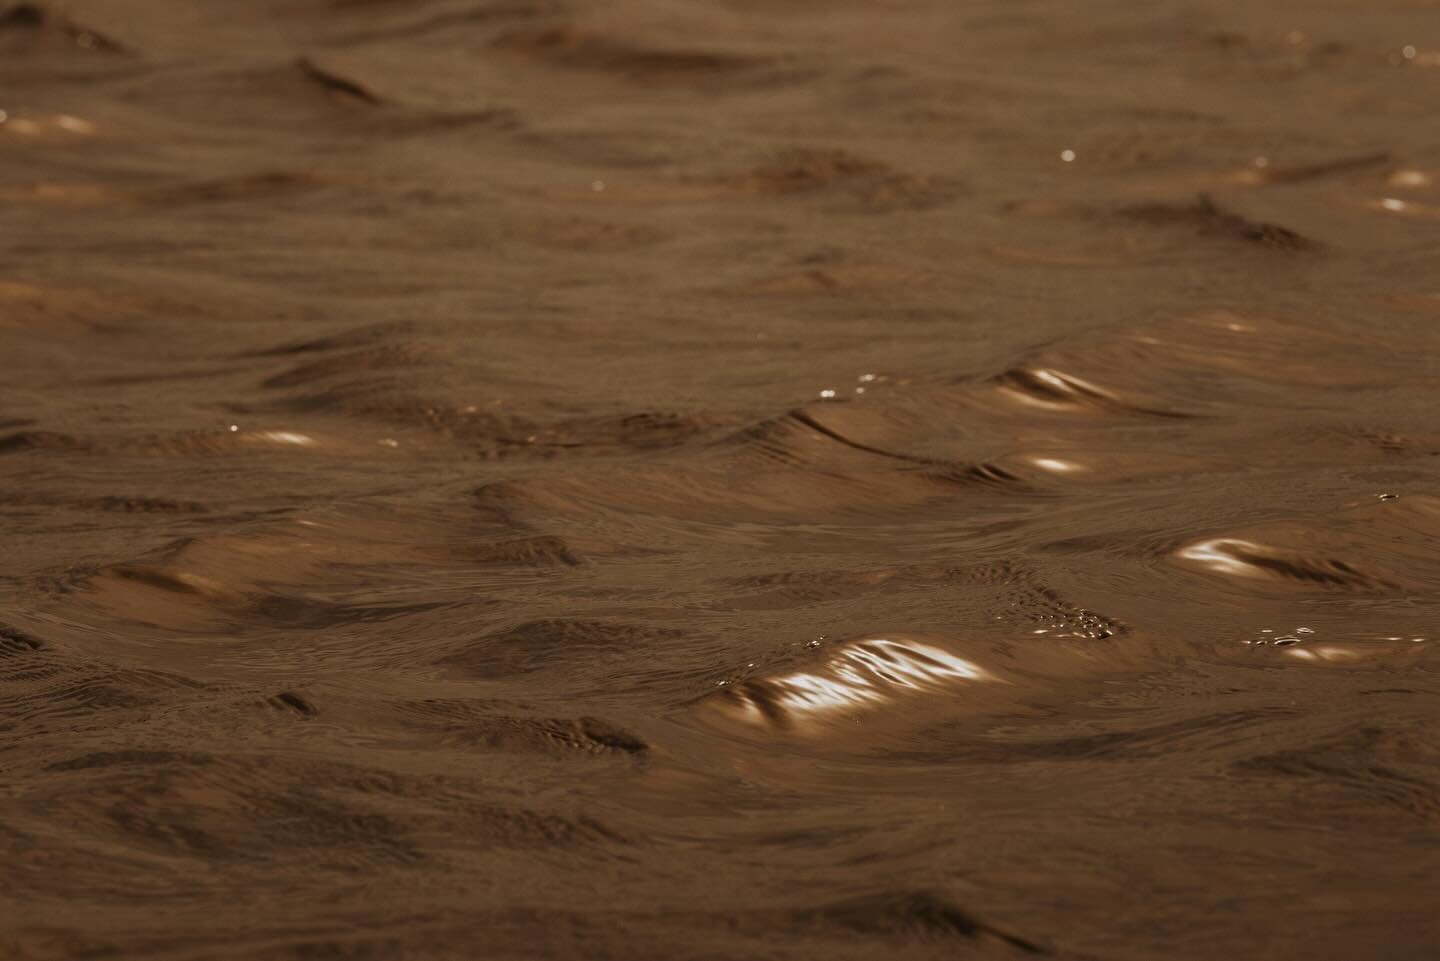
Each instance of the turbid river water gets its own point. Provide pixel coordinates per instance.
(719, 479)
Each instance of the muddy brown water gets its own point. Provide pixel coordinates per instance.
(719, 479)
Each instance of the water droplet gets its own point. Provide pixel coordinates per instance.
(1391, 203)
(597, 185)
(388, 442)
(1286, 641)
(866, 378)
(827, 394)
(1304, 630)
(1389, 497)
(1068, 156)
(234, 428)
(1408, 52)
(1262, 162)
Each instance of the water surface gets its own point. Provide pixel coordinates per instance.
(821, 478)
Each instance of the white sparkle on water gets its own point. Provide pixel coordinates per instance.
(1409, 178)
(288, 437)
(74, 124)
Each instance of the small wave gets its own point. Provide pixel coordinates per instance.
(860, 183)
(1207, 218)
(337, 85)
(554, 642)
(31, 26)
(1056, 390)
(1242, 558)
(38, 440)
(582, 49)
(913, 914)
(860, 676)
(440, 25)
(305, 98)
(346, 365)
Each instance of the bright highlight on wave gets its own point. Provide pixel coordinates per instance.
(859, 676)
(1242, 558)
(1056, 465)
(1226, 555)
(278, 438)
(287, 437)
(1043, 387)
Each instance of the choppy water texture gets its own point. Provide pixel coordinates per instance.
(719, 479)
